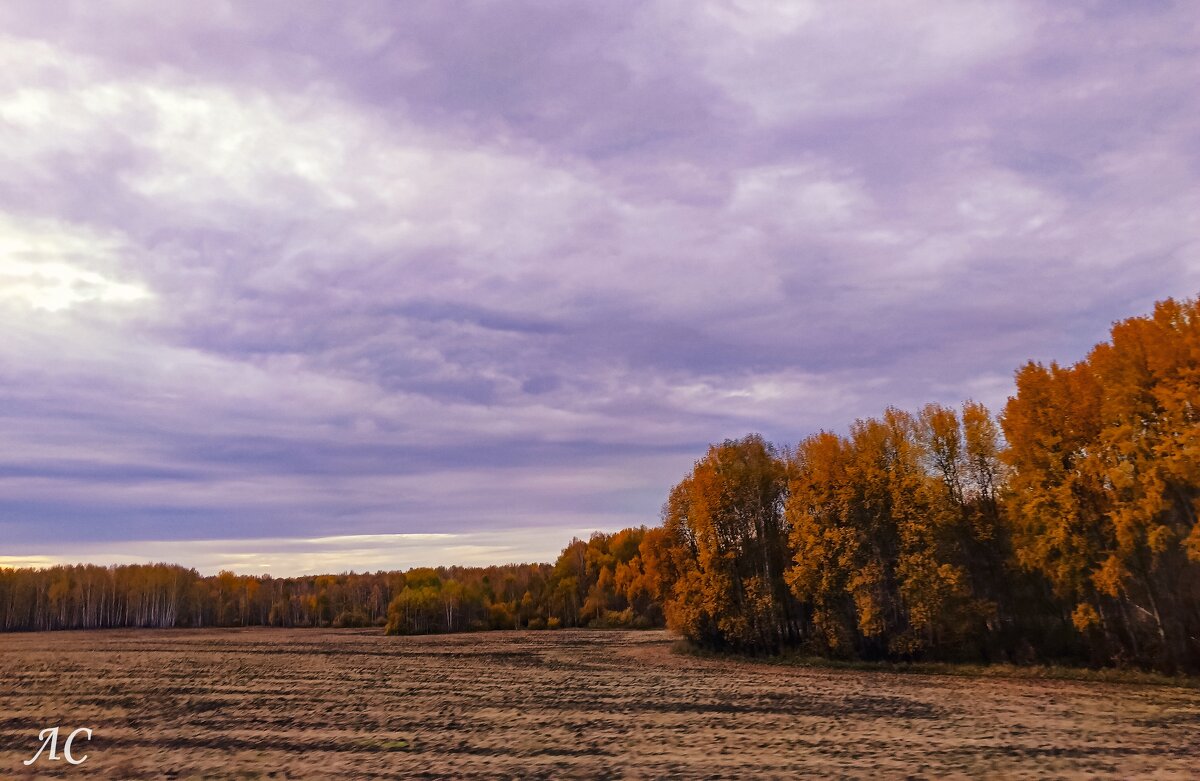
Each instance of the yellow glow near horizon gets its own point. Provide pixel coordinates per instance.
(289, 557)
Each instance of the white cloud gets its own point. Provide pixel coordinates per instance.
(801, 198)
(49, 265)
(773, 395)
(811, 59)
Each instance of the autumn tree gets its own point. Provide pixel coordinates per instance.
(1104, 493)
(888, 526)
(727, 518)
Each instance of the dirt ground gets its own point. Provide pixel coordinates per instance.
(309, 703)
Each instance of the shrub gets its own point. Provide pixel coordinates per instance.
(351, 618)
(501, 617)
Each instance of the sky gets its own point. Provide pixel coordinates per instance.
(301, 288)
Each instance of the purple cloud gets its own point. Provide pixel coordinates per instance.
(456, 267)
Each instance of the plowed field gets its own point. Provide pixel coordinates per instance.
(323, 704)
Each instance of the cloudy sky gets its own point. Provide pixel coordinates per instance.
(305, 288)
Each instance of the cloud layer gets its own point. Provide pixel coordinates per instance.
(457, 268)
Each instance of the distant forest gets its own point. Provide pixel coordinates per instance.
(1065, 529)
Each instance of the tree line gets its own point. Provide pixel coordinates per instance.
(599, 582)
(1066, 528)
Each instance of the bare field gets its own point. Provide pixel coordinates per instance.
(310, 703)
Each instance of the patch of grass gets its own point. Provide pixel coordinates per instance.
(1053, 672)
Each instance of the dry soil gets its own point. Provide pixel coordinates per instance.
(323, 704)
